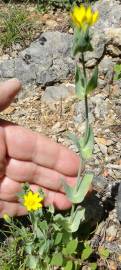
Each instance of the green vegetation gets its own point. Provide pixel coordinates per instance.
(117, 72)
(15, 25)
(46, 4)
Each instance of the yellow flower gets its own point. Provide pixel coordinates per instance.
(7, 218)
(89, 16)
(32, 201)
(95, 17)
(78, 15)
(84, 17)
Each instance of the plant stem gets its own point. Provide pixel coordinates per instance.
(83, 64)
(86, 99)
(86, 112)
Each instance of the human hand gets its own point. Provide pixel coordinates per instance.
(27, 156)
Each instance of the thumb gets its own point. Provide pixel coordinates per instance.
(8, 91)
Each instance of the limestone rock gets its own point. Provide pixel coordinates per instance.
(55, 93)
(119, 203)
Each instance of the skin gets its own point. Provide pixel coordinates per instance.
(27, 156)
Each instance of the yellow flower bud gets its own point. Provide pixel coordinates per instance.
(7, 218)
(78, 15)
(95, 17)
(84, 17)
(89, 16)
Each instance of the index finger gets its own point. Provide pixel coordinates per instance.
(24, 144)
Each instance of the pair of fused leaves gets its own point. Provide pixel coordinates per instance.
(83, 87)
(85, 144)
(70, 224)
(77, 194)
(82, 41)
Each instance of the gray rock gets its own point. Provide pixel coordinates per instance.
(46, 61)
(80, 112)
(55, 93)
(51, 56)
(106, 68)
(98, 43)
(7, 69)
(25, 73)
(110, 14)
(106, 32)
(100, 105)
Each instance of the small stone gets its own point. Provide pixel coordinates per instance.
(56, 126)
(101, 83)
(119, 203)
(55, 93)
(111, 233)
(51, 23)
(103, 148)
(9, 110)
(113, 265)
(96, 149)
(71, 31)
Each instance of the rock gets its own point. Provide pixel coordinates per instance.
(113, 36)
(46, 61)
(98, 43)
(101, 105)
(51, 23)
(9, 110)
(55, 93)
(111, 233)
(79, 116)
(25, 73)
(116, 89)
(7, 69)
(106, 68)
(119, 203)
(101, 83)
(51, 56)
(99, 183)
(110, 15)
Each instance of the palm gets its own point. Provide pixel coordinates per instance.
(27, 156)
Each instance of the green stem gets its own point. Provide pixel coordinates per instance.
(86, 113)
(83, 64)
(86, 99)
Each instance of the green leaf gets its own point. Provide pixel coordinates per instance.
(117, 69)
(78, 193)
(62, 222)
(80, 85)
(51, 209)
(92, 84)
(75, 140)
(32, 262)
(43, 226)
(87, 144)
(58, 238)
(71, 246)
(69, 265)
(77, 218)
(87, 251)
(103, 252)
(82, 41)
(29, 248)
(57, 259)
(93, 266)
